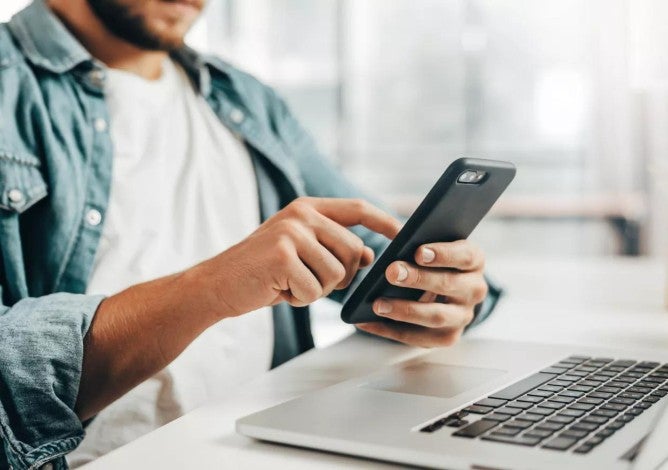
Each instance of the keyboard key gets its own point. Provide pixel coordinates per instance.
(554, 370)
(578, 373)
(569, 378)
(638, 389)
(642, 405)
(508, 411)
(491, 402)
(571, 413)
(594, 441)
(523, 405)
(623, 363)
(562, 399)
(505, 431)
(622, 401)
(616, 425)
(497, 417)
(606, 373)
(476, 429)
(581, 406)
(559, 443)
(604, 413)
(602, 360)
(456, 423)
(649, 364)
(539, 433)
(596, 420)
(627, 418)
(614, 407)
(605, 433)
(602, 395)
(552, 405)
(585, 426)
(540, 393)
(574, 434)
(480, 410)
(581, 388)
(564, 365)
(587, 369)
(591, 400)
(583, 449)
(519, 440)
(531, 417)
(631, 395)
(635, 411)
(523, 386)
(577, 359)
(558, 383)
(571, 393)
(550, 426)
(518, 423)
(589, 383)
(614, 384)
(561, 419)
(542, 411)
(625, 379)
(553, 388)
(531, 399)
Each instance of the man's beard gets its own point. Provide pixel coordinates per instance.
(124, 24)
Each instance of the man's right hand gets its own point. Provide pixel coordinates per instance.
(299, 255)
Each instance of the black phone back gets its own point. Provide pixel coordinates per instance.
(449, 212)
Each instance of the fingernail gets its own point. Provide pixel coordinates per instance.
(383, 307)
(402, 275)
(428, 255)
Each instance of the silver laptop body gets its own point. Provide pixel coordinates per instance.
(409, 413)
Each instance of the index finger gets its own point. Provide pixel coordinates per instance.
(462, 255)
(349, 212)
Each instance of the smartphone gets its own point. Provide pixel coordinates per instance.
(452, 209)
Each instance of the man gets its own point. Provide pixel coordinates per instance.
(134, 293)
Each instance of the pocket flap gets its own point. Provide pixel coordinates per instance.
(21, 182)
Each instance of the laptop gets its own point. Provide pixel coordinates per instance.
(484, 404)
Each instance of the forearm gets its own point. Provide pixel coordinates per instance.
(137, 333)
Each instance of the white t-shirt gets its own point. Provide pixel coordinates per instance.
(183, 190)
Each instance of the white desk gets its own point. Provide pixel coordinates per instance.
(604, 302)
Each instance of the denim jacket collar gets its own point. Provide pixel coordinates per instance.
(45, 41)
(48, 44)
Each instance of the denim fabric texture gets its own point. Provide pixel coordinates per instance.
(55, 173)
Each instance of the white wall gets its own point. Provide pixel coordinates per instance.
(9, 7)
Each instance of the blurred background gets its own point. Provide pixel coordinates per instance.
(574, 92)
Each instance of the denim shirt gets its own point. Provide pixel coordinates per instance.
(55, 173)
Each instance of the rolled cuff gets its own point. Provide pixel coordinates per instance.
(484, 309)
(41, 355)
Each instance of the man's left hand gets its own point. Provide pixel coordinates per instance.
(451, 274)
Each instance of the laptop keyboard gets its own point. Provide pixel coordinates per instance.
(575, 405)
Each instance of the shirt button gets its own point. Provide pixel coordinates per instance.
(237, 116)
(93, 217)
(97, 77)
(15, 195)
(100, 125)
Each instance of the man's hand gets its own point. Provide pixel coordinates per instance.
(451, 274)
(299, 255)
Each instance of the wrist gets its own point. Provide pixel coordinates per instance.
(207, 292)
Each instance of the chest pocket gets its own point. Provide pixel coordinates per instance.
(21, 182)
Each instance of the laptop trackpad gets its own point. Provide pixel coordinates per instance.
(431, 379)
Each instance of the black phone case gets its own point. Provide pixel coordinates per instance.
(451, 211)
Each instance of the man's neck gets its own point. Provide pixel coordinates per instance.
(113, 51)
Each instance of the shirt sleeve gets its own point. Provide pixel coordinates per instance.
(41, 355)
(323, 179)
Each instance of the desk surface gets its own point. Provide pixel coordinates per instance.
(594, 301)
